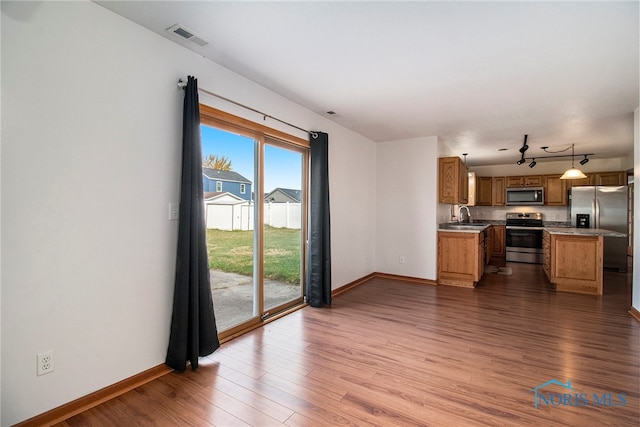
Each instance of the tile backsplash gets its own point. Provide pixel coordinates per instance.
(499, 213)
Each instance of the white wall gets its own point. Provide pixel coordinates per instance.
(636, 209)
(406, 207)
(91, 121)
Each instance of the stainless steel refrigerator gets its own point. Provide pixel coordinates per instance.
(606, 208)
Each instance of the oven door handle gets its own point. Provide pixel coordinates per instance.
(518, 233)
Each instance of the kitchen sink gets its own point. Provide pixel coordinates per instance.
(463, 226)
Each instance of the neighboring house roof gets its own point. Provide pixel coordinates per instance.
(211, 194)
(222, 198)
(224, 175)
(284, 194)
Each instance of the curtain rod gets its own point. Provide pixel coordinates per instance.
(182, 84)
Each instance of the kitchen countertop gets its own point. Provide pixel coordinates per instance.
(584, 232)
(463, 227)
(479, 227)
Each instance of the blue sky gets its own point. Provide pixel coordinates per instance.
(282, 167)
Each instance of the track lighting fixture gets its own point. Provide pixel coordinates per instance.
(572, 173)
(524, 147)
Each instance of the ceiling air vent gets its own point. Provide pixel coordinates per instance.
(185, 33)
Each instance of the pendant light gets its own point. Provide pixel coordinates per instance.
(573, 173)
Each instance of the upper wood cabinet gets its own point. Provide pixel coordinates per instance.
(524, 181)
(498, 195)
(599, 178)
(483, 190)
(515, 181)
(453, 177)
(555, 190)
(611, 178)
(589, 180)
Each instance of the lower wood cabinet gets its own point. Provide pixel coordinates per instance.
(461, 258)
(573, 263)
(546, 254)
(499, 233)
(488, 244)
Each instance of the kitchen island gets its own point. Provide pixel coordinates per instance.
(573, 258)
(463, 249)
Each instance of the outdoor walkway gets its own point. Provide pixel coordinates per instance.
(233, 296)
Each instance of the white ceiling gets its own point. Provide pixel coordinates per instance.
(480, 75)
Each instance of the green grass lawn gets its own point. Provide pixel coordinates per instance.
(232, 251)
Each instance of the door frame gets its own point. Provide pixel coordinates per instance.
(213, 117)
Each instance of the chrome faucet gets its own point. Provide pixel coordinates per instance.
(460, 213)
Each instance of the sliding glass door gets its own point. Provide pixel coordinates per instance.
(283, 215)
(255, 207)
(228, 172)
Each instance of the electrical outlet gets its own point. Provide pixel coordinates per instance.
(45, 362)
(174, 211)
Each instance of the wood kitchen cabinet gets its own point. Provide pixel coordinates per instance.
(453, 177)
(461, 258)
(555, 190)
(599, 178)
(498, 190)
(573, 263)
(483, 191)
(499, 239)
(515, 181)
(546, 254)
(589, 180)
(611, 178)
(488, 244)
(524, 181)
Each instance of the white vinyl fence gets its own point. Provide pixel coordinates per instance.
(239, 216)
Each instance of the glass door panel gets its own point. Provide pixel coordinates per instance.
(230, 211)
(284, 220)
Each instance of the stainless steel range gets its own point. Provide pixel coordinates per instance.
(524, 237)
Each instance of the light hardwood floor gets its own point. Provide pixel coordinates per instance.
(391, 353)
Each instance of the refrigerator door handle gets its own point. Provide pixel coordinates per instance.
(597, 216)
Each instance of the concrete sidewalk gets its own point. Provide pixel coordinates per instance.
(233, 296)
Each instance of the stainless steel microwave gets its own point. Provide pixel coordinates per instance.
(525, 196)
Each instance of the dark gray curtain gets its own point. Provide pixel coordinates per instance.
(319, 253)
(193, 325)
